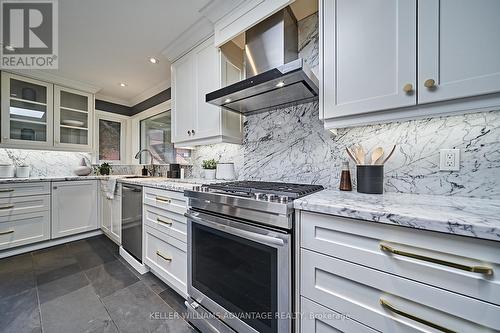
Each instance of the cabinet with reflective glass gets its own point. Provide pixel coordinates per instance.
(26, 111)
(72, 112)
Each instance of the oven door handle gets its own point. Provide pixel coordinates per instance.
(238, 232)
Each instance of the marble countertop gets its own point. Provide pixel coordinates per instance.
(473, 217)
(171, 184)
(50, 179)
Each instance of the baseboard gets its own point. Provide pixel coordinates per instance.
(140, 268)
(49, 243)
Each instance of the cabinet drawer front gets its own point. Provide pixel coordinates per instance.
(167, 256)
(318, 319)
(23, 189)
(359, 291)
(24, 229)
(360, 242)
(167, 222)
(23, 205)
(168, 200)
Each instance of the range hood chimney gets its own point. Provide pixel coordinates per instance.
(275, 75)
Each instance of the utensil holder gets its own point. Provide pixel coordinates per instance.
(370, 179)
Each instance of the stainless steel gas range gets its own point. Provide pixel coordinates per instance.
(240, 256)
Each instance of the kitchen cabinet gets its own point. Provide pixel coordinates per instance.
(388, 290)
(37, 114)
(27, 117)
(458, 49)
(387, 60)
(72, 118)
(74, 207)
(110, 215)
(195, 122)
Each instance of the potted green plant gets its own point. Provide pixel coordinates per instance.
(104, 169)
(209, 166)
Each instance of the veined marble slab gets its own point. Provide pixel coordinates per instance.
(473, 217)
(49, 179)
(170, 184)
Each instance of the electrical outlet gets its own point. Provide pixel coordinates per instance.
(449, 159)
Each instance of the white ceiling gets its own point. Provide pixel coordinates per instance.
(105, 42)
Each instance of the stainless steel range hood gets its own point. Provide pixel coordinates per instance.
(275, 76)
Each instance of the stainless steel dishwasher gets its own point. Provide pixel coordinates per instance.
(132, 220)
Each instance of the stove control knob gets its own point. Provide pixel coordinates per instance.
(196, 188)
(259, 196)
(204, 189)
(272, 197)
(283, 199)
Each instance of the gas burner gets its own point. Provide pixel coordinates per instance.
(271, 190)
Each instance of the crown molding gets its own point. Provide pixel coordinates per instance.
(150, 92)
(56, 79)
(112, 99)
(217, 9)
(194, 35)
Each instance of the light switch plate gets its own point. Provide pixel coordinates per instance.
(449, 159)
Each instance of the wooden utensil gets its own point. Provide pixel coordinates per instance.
(377, 154)
(359, 153)
(351, 155)
(390, 154)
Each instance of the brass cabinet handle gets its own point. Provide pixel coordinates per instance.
(164, 221)
(6, 207)
(189, 132)
(391, 308)
(162, 199)
(159, 254)
(192, 131)
(474, 269)
(408, 88)
(6, 232)
(430, 83)
(3, 190)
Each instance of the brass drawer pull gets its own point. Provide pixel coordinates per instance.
(408, 88)
(7, 232)
(6, 190)
(158, 219)
(6, 207)
(391, 308)
(159, 254)
(474, 269)
(430, 83)
(162, 199)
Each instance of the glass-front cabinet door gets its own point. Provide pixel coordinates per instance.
(26, 112)
(72, 118)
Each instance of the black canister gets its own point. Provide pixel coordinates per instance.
(370, 179)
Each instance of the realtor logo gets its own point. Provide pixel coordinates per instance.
(29, 34)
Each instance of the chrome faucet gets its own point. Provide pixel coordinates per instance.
(152, 158)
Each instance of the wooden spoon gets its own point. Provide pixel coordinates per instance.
(390, 154)
(377, 154)
(360, 153)
(351, 155)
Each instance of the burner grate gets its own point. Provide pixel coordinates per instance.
(290, 190)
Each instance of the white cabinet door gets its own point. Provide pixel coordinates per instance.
(111, 215)
(183, 98)
(458, 48)
(116, 219)
(105, 211)
(74, 207)
(369, 55)
(27, 112)
(72, 118)
(208, 74)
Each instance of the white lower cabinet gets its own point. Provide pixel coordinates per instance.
(394, 279)
(24, 229)
(164, 236)
(74, 207)
(110, 215)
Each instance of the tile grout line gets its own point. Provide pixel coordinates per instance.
(37, 293)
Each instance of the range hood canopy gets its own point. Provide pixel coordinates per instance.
(276, 77)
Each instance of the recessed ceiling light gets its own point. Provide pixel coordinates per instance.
(154, 60)
(280, 84)
(122, 84)
(227, 100)
(10, 48)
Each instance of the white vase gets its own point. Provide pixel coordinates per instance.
(209, 173)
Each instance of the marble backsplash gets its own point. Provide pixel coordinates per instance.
(291, 145)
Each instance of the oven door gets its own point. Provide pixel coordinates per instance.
(240, 272)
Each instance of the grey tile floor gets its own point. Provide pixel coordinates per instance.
(84, 286)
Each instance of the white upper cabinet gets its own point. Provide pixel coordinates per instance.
(369, 55)
(195, 122)
(458, 48)
(26, 112)
(73, 114)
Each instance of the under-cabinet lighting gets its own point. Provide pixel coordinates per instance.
(227, 100)
(280, 84)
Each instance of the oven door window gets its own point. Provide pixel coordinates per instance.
(239, 274)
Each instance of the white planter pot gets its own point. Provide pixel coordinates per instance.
(23, 171)
(209, 173)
